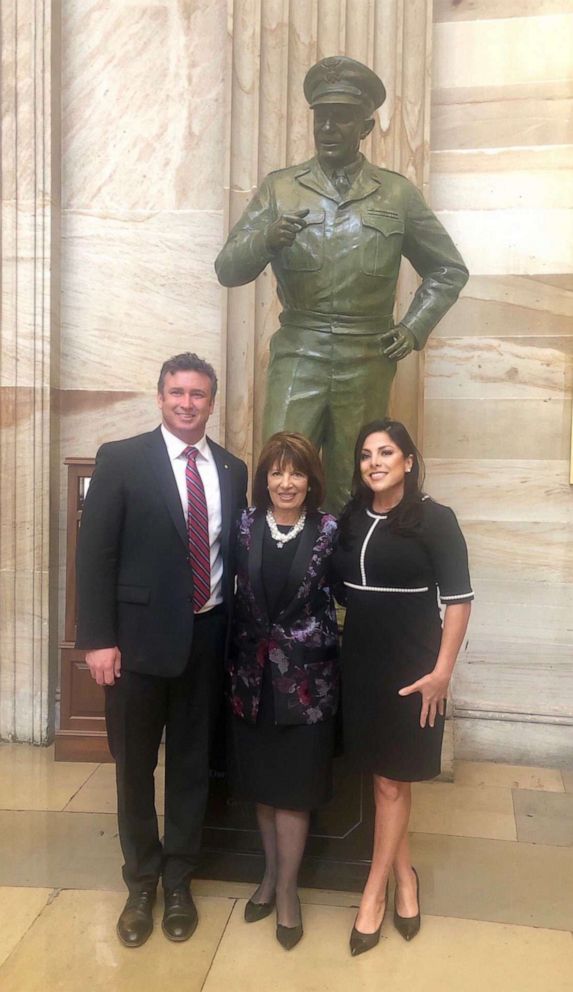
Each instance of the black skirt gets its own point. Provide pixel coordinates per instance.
(288, 767)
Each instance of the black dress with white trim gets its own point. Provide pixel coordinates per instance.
(392, 635)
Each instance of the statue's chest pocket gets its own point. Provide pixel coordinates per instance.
(381, 243)
(307, 252)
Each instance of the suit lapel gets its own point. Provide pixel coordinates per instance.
(224, 473)
(161, 465)
(299, 566)
(256, 561)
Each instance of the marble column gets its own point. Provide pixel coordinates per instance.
(29, 347)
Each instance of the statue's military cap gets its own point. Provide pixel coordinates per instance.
(340, 79)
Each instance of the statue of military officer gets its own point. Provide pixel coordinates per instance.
(334, 230)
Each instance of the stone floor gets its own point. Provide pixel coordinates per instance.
(494, 852)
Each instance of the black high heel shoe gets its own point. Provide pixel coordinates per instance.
(362, 942)
(255, 911)
(408, 926)
(288, 937)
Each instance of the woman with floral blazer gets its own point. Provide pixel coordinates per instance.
(300, 642)
(283, 667)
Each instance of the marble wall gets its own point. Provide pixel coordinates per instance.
(142, 210)
(170, 112)
(499, 368)
(142, 204)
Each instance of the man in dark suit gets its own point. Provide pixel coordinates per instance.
(155, 590)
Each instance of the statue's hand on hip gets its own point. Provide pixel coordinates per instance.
(283, 231)
(401, 342)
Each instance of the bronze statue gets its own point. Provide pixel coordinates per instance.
(334, 230)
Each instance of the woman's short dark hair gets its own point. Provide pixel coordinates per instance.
(287, 449)
(409, 514)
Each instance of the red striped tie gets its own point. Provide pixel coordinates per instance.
(198, 531)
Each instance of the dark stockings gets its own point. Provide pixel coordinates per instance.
(283, 833)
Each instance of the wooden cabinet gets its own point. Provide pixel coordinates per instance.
(81, 735)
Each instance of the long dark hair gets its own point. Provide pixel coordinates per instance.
(408, 513)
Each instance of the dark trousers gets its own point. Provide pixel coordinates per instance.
(138, 709)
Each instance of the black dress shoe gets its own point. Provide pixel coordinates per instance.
(288, 937)
(362, 942)
(179, 915)
(136, 920)
(408, 926)
(255, 911)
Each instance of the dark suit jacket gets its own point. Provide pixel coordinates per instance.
(135, 582)
(301, 643)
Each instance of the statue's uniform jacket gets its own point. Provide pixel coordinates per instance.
(343, 267)
(337, 286)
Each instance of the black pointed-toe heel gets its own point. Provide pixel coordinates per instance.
(408, 926)
(362, 942)
(255, 911)
(288, 937)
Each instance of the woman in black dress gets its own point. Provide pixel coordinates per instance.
(284, 667)
(397, 548)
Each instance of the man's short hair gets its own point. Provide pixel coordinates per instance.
(187, 362)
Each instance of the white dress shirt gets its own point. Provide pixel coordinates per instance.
(210, 478)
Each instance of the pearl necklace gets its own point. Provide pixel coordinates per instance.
(283, 539)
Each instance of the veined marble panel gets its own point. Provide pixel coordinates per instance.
(504, 51)
(479, 122)
(516, 306)
(499, 159)
(513, 241)
(142, 95)
(482, 648)
(474, 10)
(504, 428)
(502, 179)
(520, 552)
(499, 368)
(499, 687)
(137, 288)
(503, 489)
(494, 590)
(516, 741)
(538, 633)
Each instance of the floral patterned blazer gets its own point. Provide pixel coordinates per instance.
(301, 643)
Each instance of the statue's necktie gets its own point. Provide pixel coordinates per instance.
(198, 531)
(341, 182)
